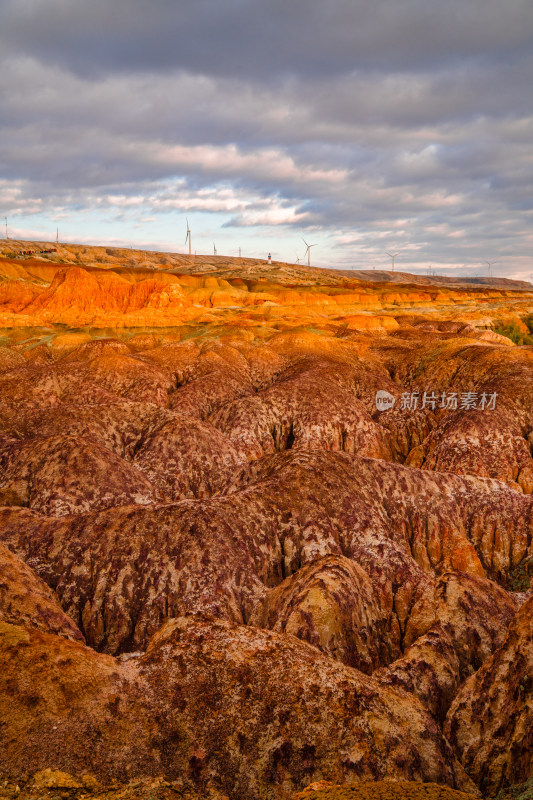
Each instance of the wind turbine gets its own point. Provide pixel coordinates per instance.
(393, 256)
(188, 237)
(308, 252)
(297, 259)
(214, 249)
(490, 263)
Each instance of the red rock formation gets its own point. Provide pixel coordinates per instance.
(235, 509)
(332, 604)
(244, 710)
(471, 615)
(44, 474)
(188, 458)
(485, 443)
(9, 359)
(26, 600)
(221, 556)
(490, 722)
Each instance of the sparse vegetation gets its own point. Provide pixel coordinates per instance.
(528, 321)
(520, 576)
(523, 791)
(519, 331)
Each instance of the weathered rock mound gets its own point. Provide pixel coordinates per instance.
(491, 720)
(277, 582)
(171, 711)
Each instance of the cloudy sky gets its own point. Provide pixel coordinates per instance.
(361, 126)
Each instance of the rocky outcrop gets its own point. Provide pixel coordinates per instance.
(107, 287)
(26, 600)
(188, 458)
(380, 790)
(44, 474)
(490, 723)
(277, 582)
(471, 616)
(485, 443)
(9, 359)
(222, 556)
(331, 603)
(251, 712)
(308, 407)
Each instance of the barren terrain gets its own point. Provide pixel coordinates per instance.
(224, 571)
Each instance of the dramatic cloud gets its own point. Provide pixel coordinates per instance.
(307, 38)
(392, 124)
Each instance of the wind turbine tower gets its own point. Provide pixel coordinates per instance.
(214, 249)
(7, 237)
(308, 252)
(393, 256)
(57, 235)
(188, 237)
(490, 265)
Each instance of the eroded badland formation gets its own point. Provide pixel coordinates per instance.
(223, 571)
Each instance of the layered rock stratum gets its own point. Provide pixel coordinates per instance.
(224, 570)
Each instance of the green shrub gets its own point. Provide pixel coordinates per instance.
(519, 577)
(513, 332)
(523, 791)
(529, 322)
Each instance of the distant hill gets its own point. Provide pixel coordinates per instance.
(404, 277)
(280, 272)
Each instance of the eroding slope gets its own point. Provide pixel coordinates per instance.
(277, 583)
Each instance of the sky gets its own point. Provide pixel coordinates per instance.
(363, 128)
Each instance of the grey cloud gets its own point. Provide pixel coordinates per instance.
(408, 123)
(243, 38)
